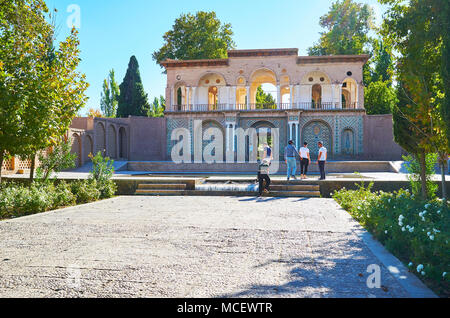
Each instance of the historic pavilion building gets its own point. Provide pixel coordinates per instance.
(317, 97)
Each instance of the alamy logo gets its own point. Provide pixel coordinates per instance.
(374, 279)
(74, 19)
(211, 145)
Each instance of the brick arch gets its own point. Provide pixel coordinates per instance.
(100, 138)
(318, 130)
(88, 148)
(348, 141)
(112, 142)
(123, 143)
(211, 123)
(77, 149)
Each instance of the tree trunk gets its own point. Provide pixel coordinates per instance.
(444, 190)
(423, 175)
(33, 165)
(1, 164)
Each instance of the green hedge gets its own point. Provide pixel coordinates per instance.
(20, 199)
(416, 231)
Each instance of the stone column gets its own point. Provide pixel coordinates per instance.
(340, 96)
(194, 98)
(172, 98)
(291, 96)
(333, 87)
(310, 96)
(278, 96)
(248, 97)
(357, 96)
(188, 93)
(228, 98)
(233, 99)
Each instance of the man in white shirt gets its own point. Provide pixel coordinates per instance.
(305, 160)
(323, 156)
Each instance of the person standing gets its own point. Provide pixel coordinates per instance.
(305, 160)
(263, 177)
(267, 152)
(323, 156)
(290, 158)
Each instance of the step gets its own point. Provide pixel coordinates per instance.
(296, 182)
(294, 187)
(293, 194)
(160, 192)
(167, 186)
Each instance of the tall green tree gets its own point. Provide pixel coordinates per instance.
(133, 101)
(380, 98)
(415, 31)
(263, 99)
(40, 88)
(347, 26)
(110, 96)
(158, 107)
(193, 37)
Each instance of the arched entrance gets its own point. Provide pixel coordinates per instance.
(213, 131)
(316, 96)
(263, 82)
(100, 139)
(264, 135)
(88, 148)
(123, 143)
(316, 131)
(348, 142)
(112, 142)
(211, 93)
(76, 149)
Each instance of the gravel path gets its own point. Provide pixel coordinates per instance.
(190, 247)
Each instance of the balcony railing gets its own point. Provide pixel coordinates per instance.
(258, 106)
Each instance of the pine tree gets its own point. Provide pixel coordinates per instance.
(133, 101)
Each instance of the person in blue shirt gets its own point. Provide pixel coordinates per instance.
(267, 152)
(290, 157)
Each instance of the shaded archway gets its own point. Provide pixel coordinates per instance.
(319, 92)
(217, 128)
(264, 78)
(211, 92)
(349, 94)
(88, 148)
(348, 142)
(123, 153)
(264, 134)
(317, 96)
(100, 138)
(76, 149)
(112, 142)
(315, 131)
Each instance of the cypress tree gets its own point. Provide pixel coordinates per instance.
(132, 100)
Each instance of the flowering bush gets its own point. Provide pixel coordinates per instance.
(416, 231)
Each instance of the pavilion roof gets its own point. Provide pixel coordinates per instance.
(170, 63)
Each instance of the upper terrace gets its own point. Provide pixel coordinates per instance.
(319, 83)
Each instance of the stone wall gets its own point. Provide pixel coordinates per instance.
(379, 141)
(147, 139)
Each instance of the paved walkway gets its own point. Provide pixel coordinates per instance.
(193, 247)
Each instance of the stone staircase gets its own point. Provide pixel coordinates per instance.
(295, 188)
(278, 188)
(161, 189)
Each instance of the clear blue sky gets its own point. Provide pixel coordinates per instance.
(113, 30)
